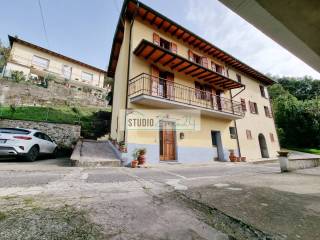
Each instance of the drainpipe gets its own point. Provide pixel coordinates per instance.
(235, 122)
(128, 69)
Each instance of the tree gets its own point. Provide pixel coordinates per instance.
(296, 106)
(4, 54)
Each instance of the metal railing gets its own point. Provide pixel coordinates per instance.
(145, 84)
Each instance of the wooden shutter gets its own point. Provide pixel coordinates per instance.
(204, 62)
(154, 85)
(190, 54)
(156, 39)
(243, 105)
(198, 90)
(174, 48)
(170, 86)
(213, 66)
(251, 107)
(271, 137)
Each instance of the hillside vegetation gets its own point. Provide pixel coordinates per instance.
(296, 106)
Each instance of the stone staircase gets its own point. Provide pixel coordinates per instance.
(91, 153)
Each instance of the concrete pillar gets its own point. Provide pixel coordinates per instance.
(283, 159)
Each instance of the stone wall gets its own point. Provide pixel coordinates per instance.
(25, 93)
(65, 135)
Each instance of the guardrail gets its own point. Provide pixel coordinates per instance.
(145, 84)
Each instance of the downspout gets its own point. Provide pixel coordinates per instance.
(128, 69)
(235, 122)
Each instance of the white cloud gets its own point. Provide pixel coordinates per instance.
(234, 35)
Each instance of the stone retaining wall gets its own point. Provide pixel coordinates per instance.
(65, 135)
(13, 93)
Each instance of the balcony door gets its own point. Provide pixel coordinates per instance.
(167, 137)
(162, 84)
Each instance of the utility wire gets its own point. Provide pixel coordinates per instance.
(43, 24)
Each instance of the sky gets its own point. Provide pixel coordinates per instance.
(84, 29)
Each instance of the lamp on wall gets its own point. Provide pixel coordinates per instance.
(182, 135)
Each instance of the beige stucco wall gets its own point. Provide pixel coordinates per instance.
(22, 55)
(256, 123)
(120, 87)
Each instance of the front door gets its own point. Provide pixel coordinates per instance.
(167, 141)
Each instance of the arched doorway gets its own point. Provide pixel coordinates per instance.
(263, 146)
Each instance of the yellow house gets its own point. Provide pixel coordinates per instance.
(159, 66)
(37, 62)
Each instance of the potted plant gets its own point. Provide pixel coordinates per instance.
(135, 161)
(232, 156)
(142, 156)
(122, 147)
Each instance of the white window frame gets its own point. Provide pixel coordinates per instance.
(67, 76)
(36, 60)
(84, 76)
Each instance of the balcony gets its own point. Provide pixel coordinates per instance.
(158, 92)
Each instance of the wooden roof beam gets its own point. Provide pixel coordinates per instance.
(205, 75)
(149, 54)
(167, 29)
(153, 20)
(191, 71)
(183, 32)
(169, 61)
(175, 31)
(199, 73)
(160, 25)
(184, 68)
(177, 64)
(160, 57)
(145, 15)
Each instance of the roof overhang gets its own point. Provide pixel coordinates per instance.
(158, 55)
(133, 8)
(292, 24)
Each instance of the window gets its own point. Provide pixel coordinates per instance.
(219, 69)
(203, 91)
(238, 78)
(248, 133)
(267, 112)
(197, 59)
(86, 76)
(40, 62)
(253, 107)
(165, 44)
(243, 105)
(233, 132)
(271, 137)
(66, 71)
(262, 91)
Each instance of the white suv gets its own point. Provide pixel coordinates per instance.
(28, 143)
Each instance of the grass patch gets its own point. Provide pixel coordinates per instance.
(88, 117)
(307, 150)
(40, 223)
(2, 216)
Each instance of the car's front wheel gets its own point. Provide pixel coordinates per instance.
(32, 154)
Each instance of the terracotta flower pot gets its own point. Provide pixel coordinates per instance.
(233, 158)
(243, 159)
(238, 159)
(142, 159)
(134, 163)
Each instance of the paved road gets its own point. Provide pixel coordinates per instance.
(251, 198)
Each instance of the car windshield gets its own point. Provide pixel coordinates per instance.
(14, 131)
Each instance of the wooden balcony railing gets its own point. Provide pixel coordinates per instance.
(145, 84)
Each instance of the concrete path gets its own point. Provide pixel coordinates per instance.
(212, 201)
(90, 153)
